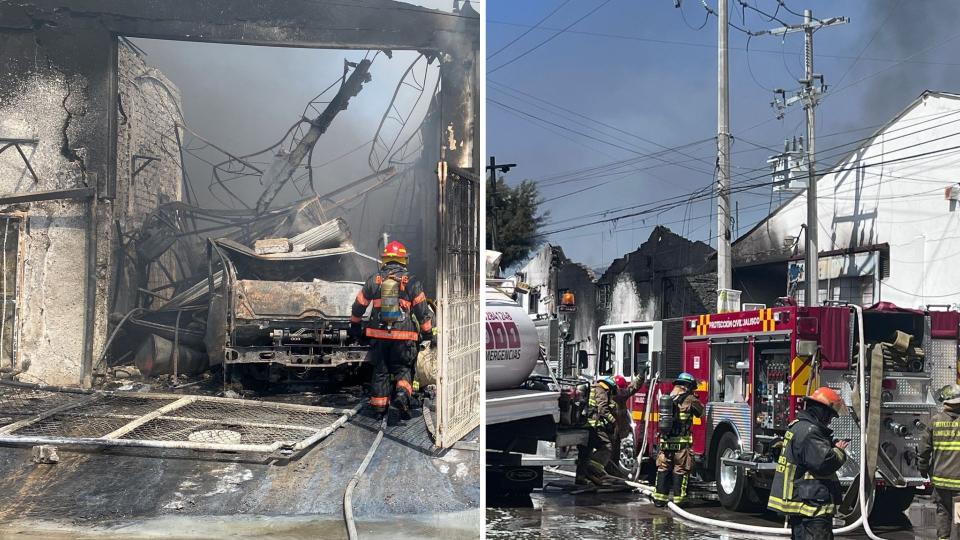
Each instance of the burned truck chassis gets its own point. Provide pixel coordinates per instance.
(293, 345)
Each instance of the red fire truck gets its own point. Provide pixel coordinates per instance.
(755, 367)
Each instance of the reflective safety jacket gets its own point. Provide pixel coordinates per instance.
(601, 408)
(621, 397)
(689, 407)
(412, 301)
(939, 451)
(806, 483)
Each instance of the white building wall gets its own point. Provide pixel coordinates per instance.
(536, 273)
(885, 192)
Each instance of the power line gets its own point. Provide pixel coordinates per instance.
(582, 134)
(578, 114)
(548, 40)
(528, 30)
(665, 203)
(713, 47)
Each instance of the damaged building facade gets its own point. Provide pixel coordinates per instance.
(52, 177)
(666, 276)
(565, 327)
(887, 212)
(89, 157)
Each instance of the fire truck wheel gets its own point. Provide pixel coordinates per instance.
(733, 487)
(627, 458)
(889, 501)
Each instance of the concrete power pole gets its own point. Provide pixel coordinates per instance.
(724, 266)
(812, 253)
(809, 95)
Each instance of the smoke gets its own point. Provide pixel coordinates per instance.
(909, 28)
(245, 98)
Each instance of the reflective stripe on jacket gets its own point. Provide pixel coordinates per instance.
(806, 482)
(938, 454)
(689, 408)
(601, 407)
(412, 300)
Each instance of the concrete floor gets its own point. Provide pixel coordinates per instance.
(408, 488)
(557, 514)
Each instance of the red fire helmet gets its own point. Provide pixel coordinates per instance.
(394, 252)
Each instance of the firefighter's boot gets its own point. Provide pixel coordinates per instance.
(662, 493)
(594, 474)
(376, 408)
(402, 398)
(680, 489)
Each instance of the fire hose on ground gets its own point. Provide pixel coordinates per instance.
(783, 531)
(348, 494)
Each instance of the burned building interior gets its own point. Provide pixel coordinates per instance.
(139, 252)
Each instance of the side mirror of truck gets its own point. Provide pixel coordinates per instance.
(582, 360)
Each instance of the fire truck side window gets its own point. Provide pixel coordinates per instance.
(641, 352)
(627, 364)
(608, 350)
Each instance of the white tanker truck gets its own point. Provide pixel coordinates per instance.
(523, 410)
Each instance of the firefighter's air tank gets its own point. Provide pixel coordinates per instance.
(513, 345)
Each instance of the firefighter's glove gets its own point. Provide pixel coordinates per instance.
(354, 332)
(431, 336)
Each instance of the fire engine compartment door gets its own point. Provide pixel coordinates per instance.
(730, 366)
(696, 361)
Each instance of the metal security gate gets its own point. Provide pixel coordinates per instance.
(32, 416)
(458, 306)
(9, 289)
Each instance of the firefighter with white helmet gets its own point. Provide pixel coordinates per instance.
(396, 298)
(676, 413)
(805, 487)
(938, 457)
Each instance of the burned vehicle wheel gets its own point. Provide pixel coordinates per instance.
(733, 486)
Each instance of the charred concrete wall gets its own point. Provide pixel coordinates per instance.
(149, 170)
(46, 95)
(55, 107)
(668, 276)
(549, 273)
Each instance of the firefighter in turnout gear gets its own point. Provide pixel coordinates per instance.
(675, 457)
(805, 486)
(400, 318)
(939, 456)
(607, 397)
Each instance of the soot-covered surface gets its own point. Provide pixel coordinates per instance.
(407, 481)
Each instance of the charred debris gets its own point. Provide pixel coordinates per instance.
(255, 292)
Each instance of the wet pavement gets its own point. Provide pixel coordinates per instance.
(410, 489)
(556, 513)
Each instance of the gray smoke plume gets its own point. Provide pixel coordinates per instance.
(910, 28)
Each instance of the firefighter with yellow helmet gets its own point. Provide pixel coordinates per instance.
(400, 318)
(805, 487)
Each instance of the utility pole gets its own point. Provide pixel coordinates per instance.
(724, 260)
(492, 211)
(809, 95)
(812, 255)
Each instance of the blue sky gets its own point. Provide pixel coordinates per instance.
(643, 69)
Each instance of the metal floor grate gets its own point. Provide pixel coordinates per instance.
(30, 417)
